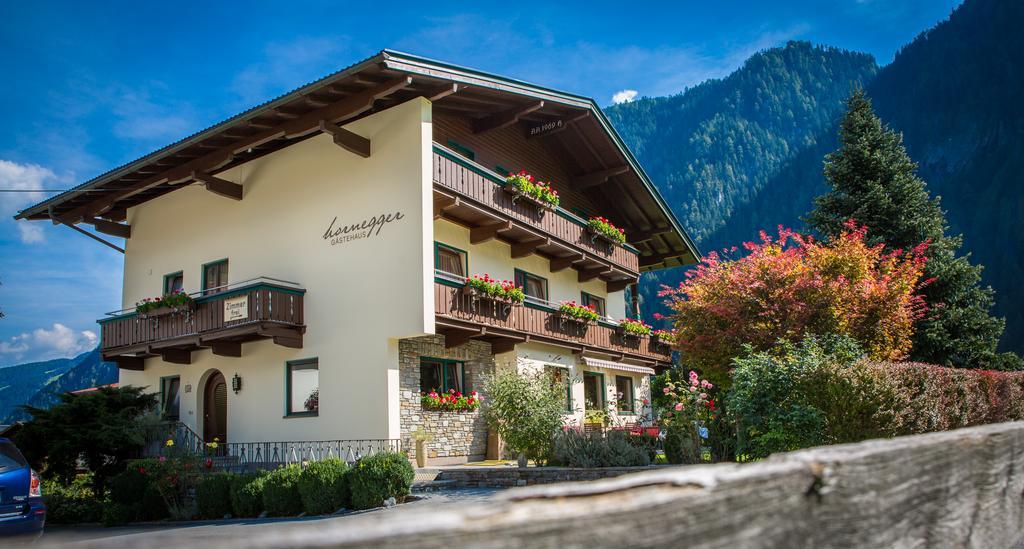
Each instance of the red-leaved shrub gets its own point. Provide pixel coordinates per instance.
(934, 398)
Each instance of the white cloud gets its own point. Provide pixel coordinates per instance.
(31, 233)
(624, 96)
(45, 344)
(24, 177)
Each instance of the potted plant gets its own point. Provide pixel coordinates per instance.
(574, 312)
(485, 287)
(523, 185)
(601, 228)
(452, 401)
(174, 302)
(664, 337)
(421, 436)
(634, 328)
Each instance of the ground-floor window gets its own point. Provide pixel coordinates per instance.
(593, 390)
(303, 389)
(442, 375)
(560, 378)
(170, 397)
(624, 394)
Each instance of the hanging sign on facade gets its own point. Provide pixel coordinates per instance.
(236, 308)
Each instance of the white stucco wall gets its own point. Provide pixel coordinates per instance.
(362, 295)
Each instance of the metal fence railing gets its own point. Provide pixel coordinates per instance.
(263, 455)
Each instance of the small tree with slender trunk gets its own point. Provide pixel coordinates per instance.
(526, 410)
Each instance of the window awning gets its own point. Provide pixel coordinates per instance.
(598, 363)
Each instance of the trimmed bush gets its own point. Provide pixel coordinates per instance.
(213, 495)
(281, 492)
(116, 514)
(153, 505)
(128, 487)
(72, 504)
(573, 448)
(376, 478)
(820, 392)
(247, 494)
(323, 487)
(934, 398)
(135, 490)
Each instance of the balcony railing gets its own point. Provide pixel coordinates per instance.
(473, 195)
(455, 309)
(221, 318)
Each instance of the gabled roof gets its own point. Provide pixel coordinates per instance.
(374, 84)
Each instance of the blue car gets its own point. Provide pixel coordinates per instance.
(22, 511)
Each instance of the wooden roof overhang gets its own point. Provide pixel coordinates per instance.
(605, 169)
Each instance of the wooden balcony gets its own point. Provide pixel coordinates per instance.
(471, 195)
(257, 309)
(461, 317)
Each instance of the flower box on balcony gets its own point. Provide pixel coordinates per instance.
(570, 311)
(633, 328)
(500, 291)
(600, 228)
(663, 337)
(165, 311)
(523, 186)
(168, 304)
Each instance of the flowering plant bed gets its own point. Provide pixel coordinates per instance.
(524, 185)
(499, 290)
(634, 327)
(602, 228)
(664, 337)
(452, 401)
(583, 314)
(166, 304)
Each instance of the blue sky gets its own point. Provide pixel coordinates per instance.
(89, 86)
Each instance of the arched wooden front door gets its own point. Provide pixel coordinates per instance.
(215, 409)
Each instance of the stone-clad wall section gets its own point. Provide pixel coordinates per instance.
(457, 436)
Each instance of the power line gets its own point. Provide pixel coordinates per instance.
(86, 190)
(33, 190)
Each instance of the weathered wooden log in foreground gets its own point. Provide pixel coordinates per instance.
(955, 489)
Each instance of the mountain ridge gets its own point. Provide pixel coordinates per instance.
(950, 91)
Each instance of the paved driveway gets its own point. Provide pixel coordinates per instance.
(199, 532)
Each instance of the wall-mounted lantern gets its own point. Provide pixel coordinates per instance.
(236, 384)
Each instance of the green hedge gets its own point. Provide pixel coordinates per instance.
(72, 504)
(820, 392)
(135, 496)
(323, 487)
(247, 494)
(213, 495)
(376, 478)
(281, 492)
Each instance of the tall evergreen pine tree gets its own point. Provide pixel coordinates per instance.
(874, 181)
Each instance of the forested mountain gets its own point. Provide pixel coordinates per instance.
(17, 383)
(749, 166)
(955, 94)
(39, 383)
(716, 147)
